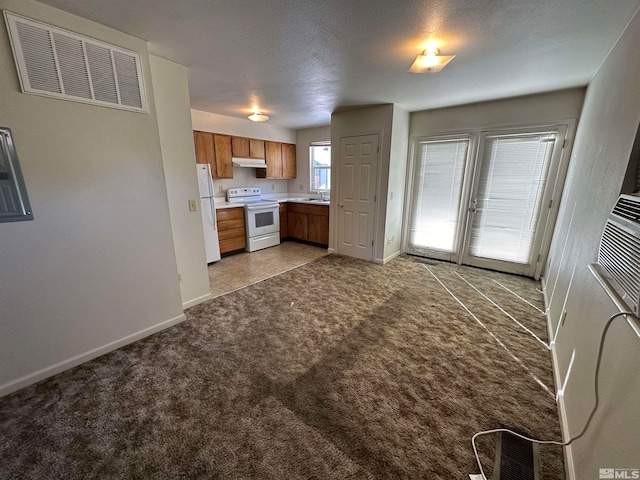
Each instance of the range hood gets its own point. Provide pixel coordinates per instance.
(249, 162)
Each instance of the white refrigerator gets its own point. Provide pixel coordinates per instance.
(208, 211)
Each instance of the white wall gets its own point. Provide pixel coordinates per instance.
(244, 177)
(96, 267)
(212, 122)
(392, 193)
(304, 138)
(601, 152)
(171, 89)
(519, 111)
(362, 121)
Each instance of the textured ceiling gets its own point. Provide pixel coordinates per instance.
(298, 60)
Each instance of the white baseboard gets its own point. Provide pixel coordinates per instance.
(543, 284)
(46, 372)
(197, 301)
(391, 257)
(564, 425)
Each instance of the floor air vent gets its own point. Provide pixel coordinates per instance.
(516, 459)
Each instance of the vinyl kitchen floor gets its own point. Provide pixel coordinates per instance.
(237, 271)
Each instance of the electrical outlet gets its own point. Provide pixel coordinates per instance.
(301, 187)
(192, 206)
(273, 187)
(220, 189)
(180, 277)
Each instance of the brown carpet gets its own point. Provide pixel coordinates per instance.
(340, 369)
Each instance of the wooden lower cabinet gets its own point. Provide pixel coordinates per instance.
(284, 223)
(297, 225)
(231, 230)
(319, 229)
(309, 223)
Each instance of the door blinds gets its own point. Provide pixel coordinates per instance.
(509, 197)
(437, 191)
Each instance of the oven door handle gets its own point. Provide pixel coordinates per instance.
(261, 207)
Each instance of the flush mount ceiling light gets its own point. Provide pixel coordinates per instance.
(258, 117)
(430, 61)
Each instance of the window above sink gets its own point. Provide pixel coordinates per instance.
(320, 167)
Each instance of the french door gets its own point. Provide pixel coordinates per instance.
(438, 202)
(486, 200)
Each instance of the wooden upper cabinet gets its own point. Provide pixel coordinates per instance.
(288, 160)
(256, 148)
(240, 147)
(223, 156)
(205, 151)
(217, 150)
(273, 157)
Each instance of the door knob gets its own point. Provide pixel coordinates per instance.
(341, 205)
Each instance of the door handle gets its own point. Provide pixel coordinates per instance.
(341, 205)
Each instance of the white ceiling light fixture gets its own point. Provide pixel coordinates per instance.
(258, 117)
(430, 61)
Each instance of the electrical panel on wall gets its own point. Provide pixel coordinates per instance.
(14, 202)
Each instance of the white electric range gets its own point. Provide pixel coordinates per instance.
(262, 217)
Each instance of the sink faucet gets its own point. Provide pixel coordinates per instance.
(322, 196)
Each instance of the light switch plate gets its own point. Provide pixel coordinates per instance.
(192, 206)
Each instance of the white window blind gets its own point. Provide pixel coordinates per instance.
(437, 191)
(512, 180)
(62, 64)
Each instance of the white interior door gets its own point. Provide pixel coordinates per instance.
(358, 161)
(511, 199)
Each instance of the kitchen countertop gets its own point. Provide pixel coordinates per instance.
(221, 203)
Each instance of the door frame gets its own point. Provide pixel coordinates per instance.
(335, 177)
(556, 192)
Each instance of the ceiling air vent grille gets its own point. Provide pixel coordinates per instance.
(58, 63)
(619, 253)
